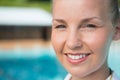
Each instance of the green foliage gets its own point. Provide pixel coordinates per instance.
(27, 3)
(119, 2)
(39, 0)
(45, 4)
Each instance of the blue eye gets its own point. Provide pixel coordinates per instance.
(90, 26)
(60, 26)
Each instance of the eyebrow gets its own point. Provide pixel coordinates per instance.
(91, 18)
(60, 20)
(82, 21)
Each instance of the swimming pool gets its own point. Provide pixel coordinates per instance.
(41, 64)
(34, 64)
(114, 57)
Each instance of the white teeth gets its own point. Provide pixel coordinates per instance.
(76, 56)
(83, 55)
(80, 56)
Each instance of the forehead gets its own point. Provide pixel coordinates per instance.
(79, 8)
(65, 2)
(79, 4)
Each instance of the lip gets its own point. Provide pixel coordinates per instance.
(77, 61)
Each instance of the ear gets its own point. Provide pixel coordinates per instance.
(117, 32)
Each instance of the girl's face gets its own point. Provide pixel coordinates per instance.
(81, 35)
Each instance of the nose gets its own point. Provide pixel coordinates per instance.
(74, 41)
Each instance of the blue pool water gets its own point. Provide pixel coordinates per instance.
(114, 58)
(43, 68)
(18, 65)
(40, 67)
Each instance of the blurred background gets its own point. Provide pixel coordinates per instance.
(26, 52)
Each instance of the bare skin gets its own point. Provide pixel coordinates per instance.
(82, 32)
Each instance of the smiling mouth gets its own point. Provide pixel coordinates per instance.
(77, 58)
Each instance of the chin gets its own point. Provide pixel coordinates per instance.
(78, 72)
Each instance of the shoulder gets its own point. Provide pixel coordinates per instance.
(68, 76)
(115, 77)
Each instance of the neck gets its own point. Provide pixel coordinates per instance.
(100, 74)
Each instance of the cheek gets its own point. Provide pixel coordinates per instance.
(58, 43)
(99, 43)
